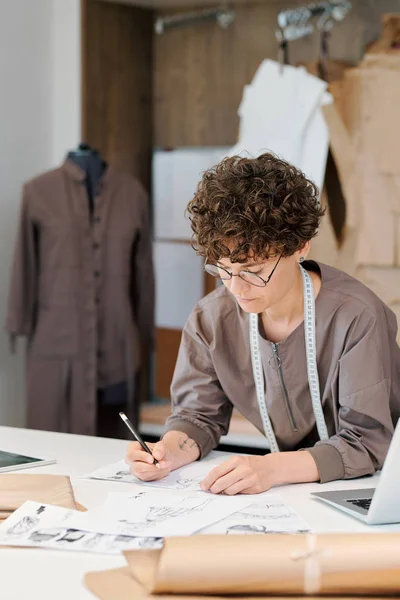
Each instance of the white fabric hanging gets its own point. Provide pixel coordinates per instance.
(281, 112)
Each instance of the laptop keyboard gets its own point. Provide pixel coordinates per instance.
(361, 502)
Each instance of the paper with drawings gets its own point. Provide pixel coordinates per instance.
(159, 513)
(44, 526)
(268, 514)
(186, 478)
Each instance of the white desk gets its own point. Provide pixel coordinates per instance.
(33, 574)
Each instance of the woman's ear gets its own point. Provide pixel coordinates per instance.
(303, 252)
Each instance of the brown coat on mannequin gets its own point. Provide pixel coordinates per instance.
(82, 291)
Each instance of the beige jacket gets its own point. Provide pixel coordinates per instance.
(359, 373)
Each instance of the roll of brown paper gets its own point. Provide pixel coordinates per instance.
(296, 564)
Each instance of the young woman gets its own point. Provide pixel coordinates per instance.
(302, 350)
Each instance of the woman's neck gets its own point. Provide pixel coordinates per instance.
(280, 320)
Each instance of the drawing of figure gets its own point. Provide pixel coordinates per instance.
(185, 483)
(136, 495)
(23, 526)
(72, 535)
(150, 543)
(45, 535)
(120, 475)
(159, 514)
(246, 528)
(94, 540)
(26, 523)
(120, 542)
(263, 516)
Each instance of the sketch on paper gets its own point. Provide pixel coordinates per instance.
(269, 515)
(156, 514)
(43, 526)
(26, 523)
(186, 478)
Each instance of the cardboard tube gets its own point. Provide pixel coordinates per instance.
(273, 564)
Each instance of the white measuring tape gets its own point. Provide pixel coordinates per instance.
(312, 371)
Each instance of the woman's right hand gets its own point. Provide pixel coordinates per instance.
(142, 465)
(173, 451)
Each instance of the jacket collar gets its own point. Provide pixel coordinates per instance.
(78, 174)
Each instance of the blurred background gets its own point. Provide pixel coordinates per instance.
(160, 90)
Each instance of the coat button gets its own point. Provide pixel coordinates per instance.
(97, 273)
(96, 246)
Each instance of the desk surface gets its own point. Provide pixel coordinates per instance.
(50, 575)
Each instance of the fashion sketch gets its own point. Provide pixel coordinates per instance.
(263, 517)
(45, 535)
(159, 514)
(71, 536)
(120, 475)
(186, 483)
(26, 523)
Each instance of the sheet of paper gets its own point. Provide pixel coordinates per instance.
(161, 513)
(176, 174)
(268, 514)
(179, 279)
(187, 478)
(44, 526)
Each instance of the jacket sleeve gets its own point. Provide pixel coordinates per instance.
(22, 295)
(364, 428)
(200, 407)
(143, 284)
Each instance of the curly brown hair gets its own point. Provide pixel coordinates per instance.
(259, 206)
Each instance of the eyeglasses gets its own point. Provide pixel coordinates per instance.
(247, 276)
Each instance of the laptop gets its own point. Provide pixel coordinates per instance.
(374, 506)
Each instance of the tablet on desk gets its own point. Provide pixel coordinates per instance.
(12, 462)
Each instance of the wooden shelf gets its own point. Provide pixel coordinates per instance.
(156, 414)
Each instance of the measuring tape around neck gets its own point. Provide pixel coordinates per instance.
(312, 371)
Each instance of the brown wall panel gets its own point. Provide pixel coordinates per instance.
(167, 346)
(200, 70)
(117, 84)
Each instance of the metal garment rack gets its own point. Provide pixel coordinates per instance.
(224, 17)
(297, 23)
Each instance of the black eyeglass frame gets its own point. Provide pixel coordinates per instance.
(265, 281)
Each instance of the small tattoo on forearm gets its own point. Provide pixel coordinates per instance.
(187, 442)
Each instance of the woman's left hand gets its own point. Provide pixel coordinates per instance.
(241, 475)
(256, 474)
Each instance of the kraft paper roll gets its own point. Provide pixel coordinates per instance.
(297, 564)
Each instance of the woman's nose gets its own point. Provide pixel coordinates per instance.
(238, 285)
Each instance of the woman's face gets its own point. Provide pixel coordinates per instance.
(253, 299)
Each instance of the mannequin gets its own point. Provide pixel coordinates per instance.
(92, 163)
